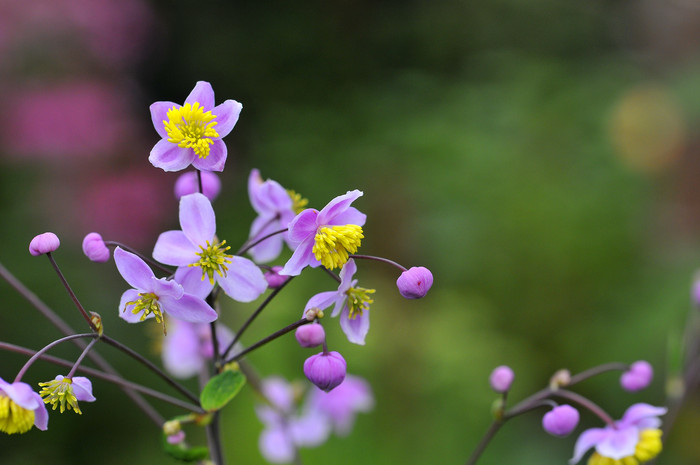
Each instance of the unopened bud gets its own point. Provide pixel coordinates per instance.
(501, 378)
(94, 248)
(44, 243)
(638, 376)
(415, 282)
(310, 335)
(561, 420)
(325, 370)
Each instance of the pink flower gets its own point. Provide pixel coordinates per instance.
(44, 243)
(20, 408)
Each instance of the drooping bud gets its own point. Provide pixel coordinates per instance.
(274, 279)
(415, 282)
(501, 378)
(44, 243)
(638, 376)
(560, 379)
(325, 370)
(561, 420)
(95, 249)
(311, 335)
(187, 183)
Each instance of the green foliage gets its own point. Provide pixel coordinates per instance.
(220, 389)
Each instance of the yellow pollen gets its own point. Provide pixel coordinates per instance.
(299, 203)
(190, 127)
(648, 447)
(358, 301)
(333, 244)
(147, 303)
(59, 392)
(213, 259)
(13, 418)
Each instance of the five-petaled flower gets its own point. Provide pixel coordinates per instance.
(151, 296)
(196, 246)
(20, 408)
(326, 237)
(191, 133)
(633, 440)
(66, 392)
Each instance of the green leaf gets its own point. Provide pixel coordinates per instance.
(184, 454)
(221, 389)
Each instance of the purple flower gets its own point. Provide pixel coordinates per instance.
(415, 282)
(196, 245)
(275, 209)
(561, 420)
(191, 134)
(274, 278)
(20, 408)
(151, 296)
(326, 370)
(44, 243)
(636, 438)
(66, 392)
(311, 335)
(187, 184)
(637, 377)
(326, 237)
(94, 248)
(189, 347)
(350, 301)
(342, 404)
(501, 378)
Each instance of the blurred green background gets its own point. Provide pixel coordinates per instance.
(541, 158)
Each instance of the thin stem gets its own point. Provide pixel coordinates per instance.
(148, 364)
(595, 371)
(124, 384)
(331, 274)
(269, 338)
(80, 359)
(143, 257)
(214, 440)
(46, 348)
(488, 436)
(586, 403)
(249, 245)
(200, 187)
(252, 317)
(379, 259)
(73, 297)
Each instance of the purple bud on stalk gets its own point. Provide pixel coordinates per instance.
(187, 184)
(311, 335)
(415, 282)
(637, 377)
(274, 279)
(44, 243)
(501, 378)
(561, 420)
(95, 249)
(325, 370)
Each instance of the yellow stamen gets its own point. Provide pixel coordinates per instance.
(190, 127)
(59, 392)
(333, 244)
(147, 303)
(648, 447)
(358, 301)
(299, 203)
(213, 259)
(13, 418)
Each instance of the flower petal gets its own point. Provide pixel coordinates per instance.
(134, 270)
(170, 157)
(350, 216)
(323, 300)
(197, 219)
(301, 257)
(356, 328)
(202, 93)
(190, 278)
(244, 281)
(337, 206)
(276, 445)
(346, 274)
(82, 388)
(181, 354)
(159, 113)
(619, 443)
(189, 308)
(226, 116)
(303, 225)
(163, 287)
(22, 395)
(125, 312)
(588, 439)
(216, 160)
(642, 416)
(41, 415)
(174, 248)
(270, 248)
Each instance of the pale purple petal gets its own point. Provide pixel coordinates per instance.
(226, 116)
(346, 274)
(303, 225)
(163, 287)
(125, 313)
(188, 308)
(175, 248)
(276, 445)
(337, 206)
(277, 196)
(197, 219)
(170, 157)
(301, 257)
(255, 183)
(350, 216)
(619, 443)
(190, 278)
(310, 429)
(22, 395)
(134, 270)
(181, 355)
(216, 159)
(642, 416)
(356, 328)
(159, 113)
(279, 392)
(202, 93)
(588, 439)
(244, 281)
(41, 415)
(82, 388)
(323, 300)
(270, 248)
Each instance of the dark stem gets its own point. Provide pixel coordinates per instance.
(214, 440)
(146, 259)
(331, 274)
(585, 403)
(249, 245)
(379, 259)
(73, 297)
(269, 338)
(199, 182)
(488, 436)
(45, 349)
(80, 359)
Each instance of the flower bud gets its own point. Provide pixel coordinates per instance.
(325, 370)
(638, 376)
(561, 420)
(501, 378)
(187, 184)
(94, 248)
(44, 243)
(310, 335)
(415, 282)
(176, 438)
(274, 279)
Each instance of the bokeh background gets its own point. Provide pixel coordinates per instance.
(541, 158)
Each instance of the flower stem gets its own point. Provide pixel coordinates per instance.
(379, 259)
(46, 348)
(269, 338)
(73, 297)
(488, 436)
(214, 440)
(80, 359)
(249, 245)
(143, 257)
(586, 403)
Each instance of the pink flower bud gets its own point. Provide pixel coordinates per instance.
(561, 420)
(176, 438)
(637, 377)
(274, 279)
(94, 248)
(187, 184)
(415, 282)
(310, 335)
(501, 378)
(44, 243)
(325, 370)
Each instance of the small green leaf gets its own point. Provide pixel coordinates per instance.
(221, 389)
(184, 454)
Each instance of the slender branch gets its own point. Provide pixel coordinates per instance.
(143, 257)
(269, 338)
(488, 436)
(586, 403)
(77, 363)
(379, 259)
(73, 297)
(249, 245)
(200, 187)
(331, 274)
(595, 371)
(45, 349)
(214, 440)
